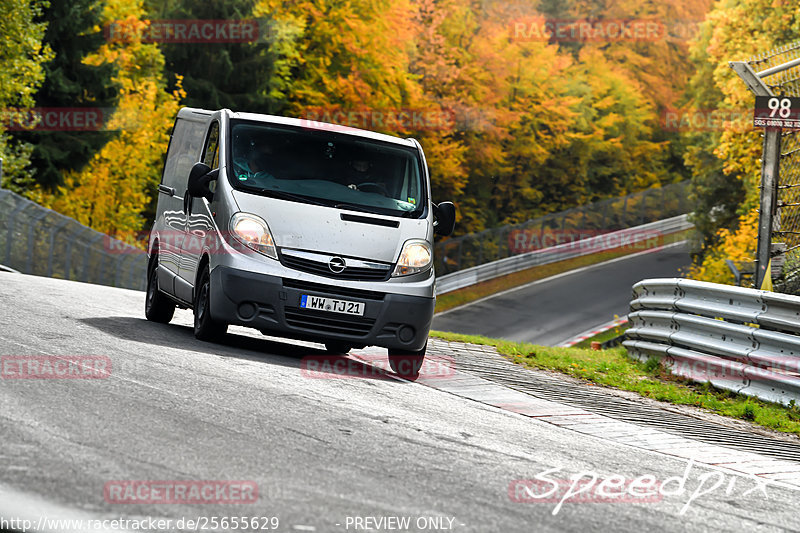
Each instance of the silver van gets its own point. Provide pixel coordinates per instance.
(300, 229)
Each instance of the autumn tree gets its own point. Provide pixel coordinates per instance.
(74, 30)
(520, 128)
(725, 164)
(224, 73)
(22, 54)
(115, 191)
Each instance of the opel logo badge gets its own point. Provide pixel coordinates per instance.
(337, 265)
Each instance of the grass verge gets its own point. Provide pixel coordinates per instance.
(463, 296)
(613, 368)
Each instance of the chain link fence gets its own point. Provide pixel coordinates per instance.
(572, 225)
(36, 240)
(785, 238)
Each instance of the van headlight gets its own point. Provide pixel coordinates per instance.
(252, 231)
(415, 257)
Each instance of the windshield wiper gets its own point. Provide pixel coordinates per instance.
(283, 195)
(378, 210)
(356, 207)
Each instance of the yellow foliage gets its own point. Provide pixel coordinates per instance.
(738, 245)
(737, 30)
(110, 193)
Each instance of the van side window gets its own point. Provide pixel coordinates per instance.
(211, 152)
(184, 151)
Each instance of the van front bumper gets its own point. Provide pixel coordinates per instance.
(271, 304)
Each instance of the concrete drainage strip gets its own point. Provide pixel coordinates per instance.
(480, 374)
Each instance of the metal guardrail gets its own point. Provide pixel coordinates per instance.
(631, 237)
(738, 339)
(612, 214)
(36, 240)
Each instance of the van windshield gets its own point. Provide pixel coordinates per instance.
(326, 168)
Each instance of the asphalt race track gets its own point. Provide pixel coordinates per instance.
(325, 454)
(556, 309)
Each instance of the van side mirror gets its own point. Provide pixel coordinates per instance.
(444, 218)
(200, 179)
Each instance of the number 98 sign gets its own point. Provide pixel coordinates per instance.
(777, 112)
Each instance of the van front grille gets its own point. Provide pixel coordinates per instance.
(320, 267)
(329, 322)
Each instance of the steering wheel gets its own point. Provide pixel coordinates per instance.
(373, 187)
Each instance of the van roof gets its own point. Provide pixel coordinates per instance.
(192, 113)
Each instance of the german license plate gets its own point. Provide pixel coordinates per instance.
(331, 305)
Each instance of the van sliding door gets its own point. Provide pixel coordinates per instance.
(184, 151)
(198, 222)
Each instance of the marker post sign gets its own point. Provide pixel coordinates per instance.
(777, 112)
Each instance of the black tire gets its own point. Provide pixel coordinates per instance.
(206, 328)
(337, 347)
(407, 364)
(157, 306)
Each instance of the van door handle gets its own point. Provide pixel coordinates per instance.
(169, 191)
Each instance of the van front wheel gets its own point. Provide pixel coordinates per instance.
(206, 328)
(407, 364)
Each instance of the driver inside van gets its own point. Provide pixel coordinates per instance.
(361, 178)
(253, 159)
(259, 156)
